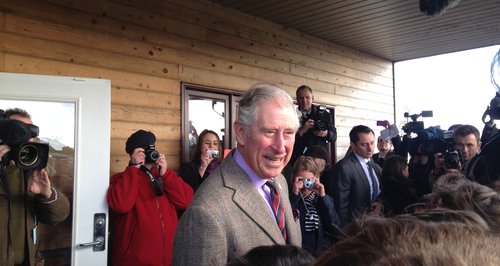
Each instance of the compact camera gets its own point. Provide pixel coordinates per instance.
(213, 153)
(152, 155)
(309, 183)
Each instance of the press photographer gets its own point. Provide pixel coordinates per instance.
(143, 200)
(26, 154)
(422, 150)
(485, 168)
(316, 125)
(26, 194)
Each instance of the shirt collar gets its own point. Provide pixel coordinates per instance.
(256, 180)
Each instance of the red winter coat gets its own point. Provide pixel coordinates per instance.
(144, 224)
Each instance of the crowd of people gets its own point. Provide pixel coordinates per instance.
(277, 198)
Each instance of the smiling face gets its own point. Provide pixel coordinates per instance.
(267, 145)
(209, 142)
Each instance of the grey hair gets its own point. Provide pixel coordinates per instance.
(248, 106)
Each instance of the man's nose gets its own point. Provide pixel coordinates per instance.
(279, 143)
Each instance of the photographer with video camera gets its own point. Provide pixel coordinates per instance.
(316, 125)
(463, 144)
(26, 194)
(144, 199)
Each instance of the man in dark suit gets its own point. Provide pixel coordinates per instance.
(233, 210)
(355, 185)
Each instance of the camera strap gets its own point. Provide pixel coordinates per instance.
(155, 183)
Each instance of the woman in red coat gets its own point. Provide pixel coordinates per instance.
(144, 199)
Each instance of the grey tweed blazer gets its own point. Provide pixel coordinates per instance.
(228, 217)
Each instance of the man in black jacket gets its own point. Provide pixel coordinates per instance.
(316, 125)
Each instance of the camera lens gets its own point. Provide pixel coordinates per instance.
(451, 160)
(320, 125)
(152, 156)
(28, 155)
(308, 183)
(214, 153)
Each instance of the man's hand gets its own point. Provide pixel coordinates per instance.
(440, 168)
(138, 157)
(4, 149)
(322, 133)
(162, 163)
(39, 183)
(307, 125)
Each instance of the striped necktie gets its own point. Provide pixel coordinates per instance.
(278, 209)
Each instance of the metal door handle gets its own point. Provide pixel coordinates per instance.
(99, 242)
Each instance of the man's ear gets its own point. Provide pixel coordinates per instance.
(240, 133)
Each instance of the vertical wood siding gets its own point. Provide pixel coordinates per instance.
(147, 47)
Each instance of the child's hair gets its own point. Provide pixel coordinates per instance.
(305, 163)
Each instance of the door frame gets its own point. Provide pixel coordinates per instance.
(92, 98)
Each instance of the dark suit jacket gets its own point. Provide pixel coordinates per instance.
(350, 188)
(228, 217)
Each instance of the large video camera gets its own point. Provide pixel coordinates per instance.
(320, 123)
(25, 154)
(428, 141)
(415, 126)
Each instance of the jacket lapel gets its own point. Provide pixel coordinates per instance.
(249, 200)
(359, 170)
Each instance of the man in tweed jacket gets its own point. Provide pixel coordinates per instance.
(231, 212)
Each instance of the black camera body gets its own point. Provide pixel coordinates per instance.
(320, 124)
(415, 126)
(152, 155)
(452, 156)
(26, 155)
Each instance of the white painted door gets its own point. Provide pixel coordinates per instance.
(74, 117)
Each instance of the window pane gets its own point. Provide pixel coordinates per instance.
(205, 114)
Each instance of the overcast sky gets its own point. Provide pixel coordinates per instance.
(456, 87)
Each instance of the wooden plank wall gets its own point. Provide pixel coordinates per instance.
(147, 47)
